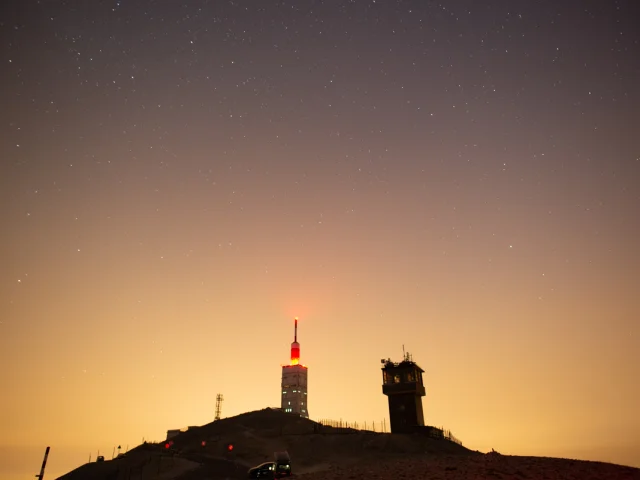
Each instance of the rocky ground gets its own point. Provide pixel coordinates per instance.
(329, 454)
(476, 467)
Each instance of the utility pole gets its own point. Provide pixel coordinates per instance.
(219, 399)
(44, 464)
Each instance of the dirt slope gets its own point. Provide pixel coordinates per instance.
(476, 467)
(319, 452)
(255, 436)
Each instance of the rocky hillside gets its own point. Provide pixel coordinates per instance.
(203, 453)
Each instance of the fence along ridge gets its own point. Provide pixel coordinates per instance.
(373, 426)
(381, 427)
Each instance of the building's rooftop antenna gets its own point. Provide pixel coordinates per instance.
(219, 399)
(295, 346)
(406, 356)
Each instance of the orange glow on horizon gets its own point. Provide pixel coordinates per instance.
(165, 225)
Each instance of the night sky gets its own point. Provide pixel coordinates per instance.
(179, 179)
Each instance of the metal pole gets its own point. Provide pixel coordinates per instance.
(44, 464)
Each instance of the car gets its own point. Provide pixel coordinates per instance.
(280, 468)
(264, 470)
(283, 470)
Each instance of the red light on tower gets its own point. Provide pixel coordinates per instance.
(295, 346)
(230, 447)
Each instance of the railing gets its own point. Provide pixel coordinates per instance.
(373, 426)
(381, 427)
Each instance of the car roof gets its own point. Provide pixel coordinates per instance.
(282, 456)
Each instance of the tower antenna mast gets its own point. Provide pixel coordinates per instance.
(219, 399)
(294, 381)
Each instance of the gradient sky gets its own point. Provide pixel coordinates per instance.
(178, 180)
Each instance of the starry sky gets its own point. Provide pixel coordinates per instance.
(179, 179)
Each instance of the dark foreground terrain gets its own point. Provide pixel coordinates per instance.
(326, 453)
